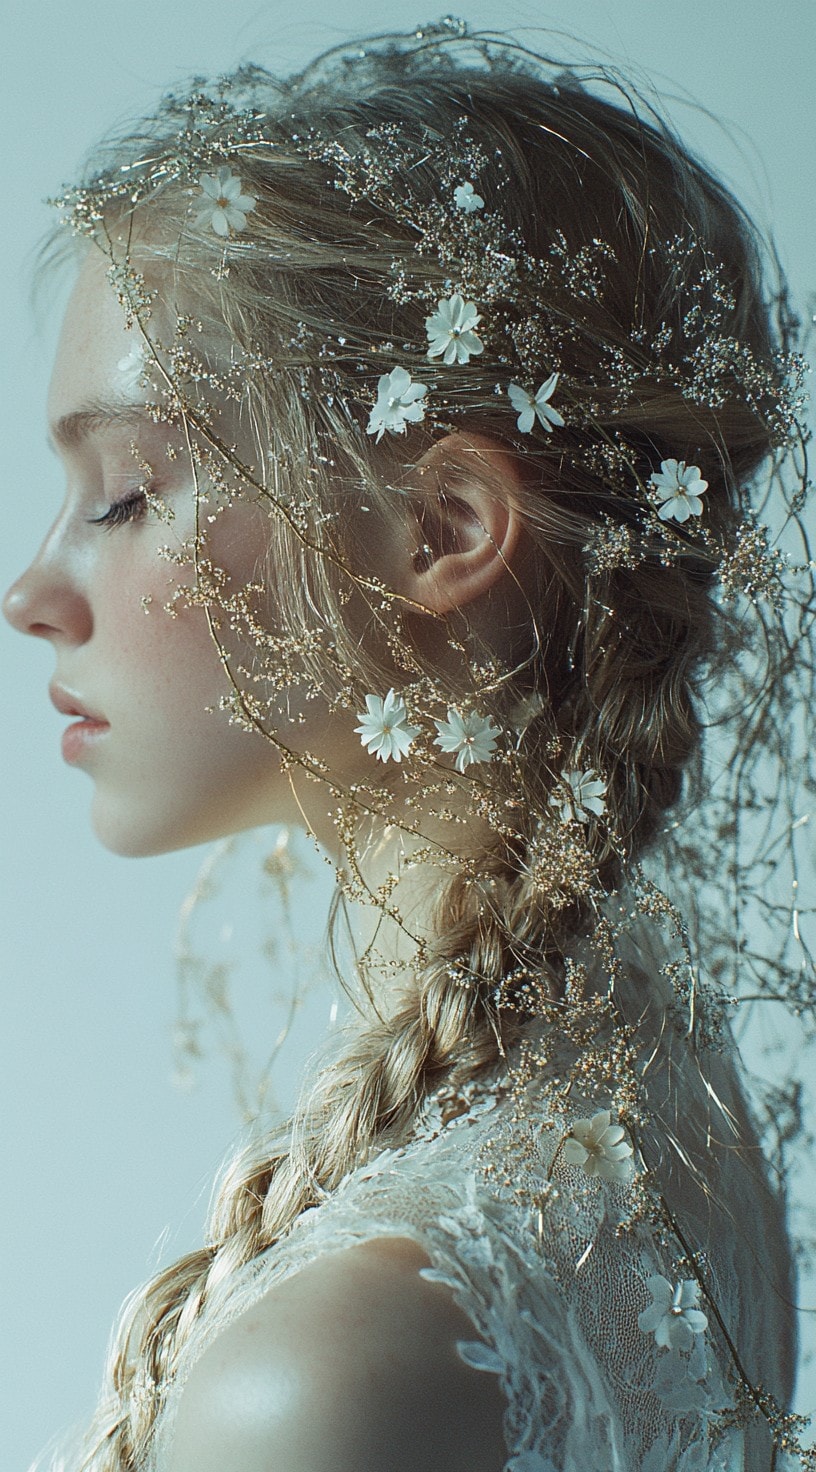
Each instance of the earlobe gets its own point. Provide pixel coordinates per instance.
(469, 532)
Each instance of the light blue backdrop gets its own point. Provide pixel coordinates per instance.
(107, 1166)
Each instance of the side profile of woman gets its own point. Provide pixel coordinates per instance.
(421, 417)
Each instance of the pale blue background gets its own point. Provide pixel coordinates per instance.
(107, 1166)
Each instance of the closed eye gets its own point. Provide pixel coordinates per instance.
(130, 508)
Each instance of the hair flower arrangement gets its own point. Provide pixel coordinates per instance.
(399, 403)
(532, 407)
(471, 736)
(678, 488)
(599, 1147)
(674, 1315)
(450, 331)
(466, 199)
(384, 727)
(225, 208)
(584, 799)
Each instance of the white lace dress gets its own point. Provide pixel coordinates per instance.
(598, 1347)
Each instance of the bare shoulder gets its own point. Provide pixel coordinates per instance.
(350, 1363)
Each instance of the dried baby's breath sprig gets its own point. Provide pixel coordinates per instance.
(751, 568)
(613, 544)
(425, 287)
(558, 865)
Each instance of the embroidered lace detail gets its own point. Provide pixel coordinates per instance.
(555, 1312)
(448, 1107)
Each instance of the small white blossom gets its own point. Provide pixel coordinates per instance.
(398, 403)
(599, 1147)
(674, 1315)
(225, 208)
(450, 331)
(679, 488)
(384, 728)
(532, 407)
(471, 736)
(586, 796)
(131, 367)
(466, 199)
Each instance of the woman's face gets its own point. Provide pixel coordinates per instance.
(168, 767)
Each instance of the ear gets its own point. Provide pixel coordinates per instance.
(469, 526)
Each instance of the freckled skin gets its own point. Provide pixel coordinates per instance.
(354, 1365)
(172, 770)
(169, 773)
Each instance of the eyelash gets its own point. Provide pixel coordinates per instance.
(130, 508)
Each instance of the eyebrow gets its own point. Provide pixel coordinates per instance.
(73, 428)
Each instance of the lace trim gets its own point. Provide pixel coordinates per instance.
(556, 1318)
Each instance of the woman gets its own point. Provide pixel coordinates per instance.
(409, 411)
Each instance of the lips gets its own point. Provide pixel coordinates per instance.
(82, 739)
(69, 704)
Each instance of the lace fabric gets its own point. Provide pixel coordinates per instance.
(566, 1308)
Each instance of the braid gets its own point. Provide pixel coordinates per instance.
(622, 701)
(442, 1030)
(635, 716)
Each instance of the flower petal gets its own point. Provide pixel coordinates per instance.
(574, 1152)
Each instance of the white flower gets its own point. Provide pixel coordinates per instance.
(466, 199)
(599, 1146)
(225, 207)
(384, 727)
(471, 736)
(673, 1316)
(398, 403)
(531, 408)
(450, 331)
(679, 487)
(131, 367)
(586, 796)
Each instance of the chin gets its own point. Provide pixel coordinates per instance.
(135, 831)
(138, 842)
(141, 835)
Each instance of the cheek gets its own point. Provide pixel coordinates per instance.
(172, 750)
(175, 771)
(156, 650)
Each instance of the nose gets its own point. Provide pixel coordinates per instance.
(45, 602)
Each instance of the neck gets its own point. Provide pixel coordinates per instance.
(396, 871)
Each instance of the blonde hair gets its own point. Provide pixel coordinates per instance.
(621, 651)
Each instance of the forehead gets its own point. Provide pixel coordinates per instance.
(95, 385)
(93, 342)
